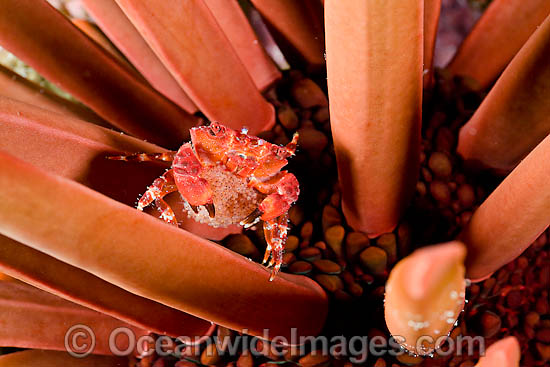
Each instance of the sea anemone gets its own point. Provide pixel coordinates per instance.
(424, 208)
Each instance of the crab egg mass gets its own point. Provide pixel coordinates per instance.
(233, 199)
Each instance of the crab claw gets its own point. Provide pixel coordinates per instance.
(282, 190)
(192, 187)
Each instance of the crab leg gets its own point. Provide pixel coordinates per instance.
(275, 231)
(161, 187)
(251, 219)
(290, 148)
(145, 157)
(166, 213)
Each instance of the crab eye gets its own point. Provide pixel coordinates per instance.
(279, 151)
(214, 128)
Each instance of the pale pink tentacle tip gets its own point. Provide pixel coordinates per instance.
(504, 353)
(430, 265)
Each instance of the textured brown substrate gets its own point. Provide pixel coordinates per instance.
(353, 268)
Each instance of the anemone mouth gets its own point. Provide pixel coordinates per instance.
(233, 198)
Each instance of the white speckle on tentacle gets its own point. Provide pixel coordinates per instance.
(418, 325)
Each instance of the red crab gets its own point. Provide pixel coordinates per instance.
(233, 171)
